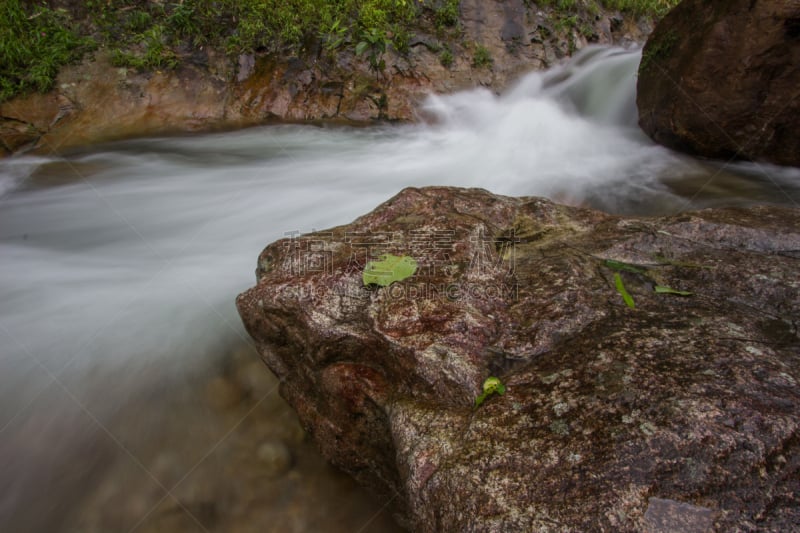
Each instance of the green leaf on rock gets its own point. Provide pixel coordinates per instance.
(621, 289)
(492, 385)
(388, 269)
(661, 289)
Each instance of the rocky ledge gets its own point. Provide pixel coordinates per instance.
(678, 414)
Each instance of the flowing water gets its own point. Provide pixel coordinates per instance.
(119, 267)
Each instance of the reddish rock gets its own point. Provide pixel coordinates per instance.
(684, 410)
(721, 79)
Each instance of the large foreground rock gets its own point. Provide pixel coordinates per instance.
(721, 79)
(679, 415)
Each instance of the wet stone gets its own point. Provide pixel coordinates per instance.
(687, 398)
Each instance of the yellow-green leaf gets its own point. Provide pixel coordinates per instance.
(388, 269)
(621, 289)
(661, 289)
(492, 385)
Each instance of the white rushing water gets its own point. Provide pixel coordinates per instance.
(119, 266)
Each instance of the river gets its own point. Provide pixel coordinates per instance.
(120, 264)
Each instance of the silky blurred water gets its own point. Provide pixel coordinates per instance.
(119, 265)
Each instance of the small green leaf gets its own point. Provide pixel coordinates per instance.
(361, 47)
(479, 400)
(661, 289)
(492, 385)
(621, 289)
(388, 269)
(620, 266)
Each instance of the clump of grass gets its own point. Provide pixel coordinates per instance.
(446, 14)
(481, 58)
(152, 52)
(35, 42)
(446, 57)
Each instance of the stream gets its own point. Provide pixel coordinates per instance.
(130, 397)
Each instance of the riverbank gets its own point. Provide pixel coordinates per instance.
(197, 87)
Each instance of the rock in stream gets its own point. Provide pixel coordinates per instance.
(681, 413)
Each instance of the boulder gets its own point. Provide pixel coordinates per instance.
(684, 409)
(720, 79)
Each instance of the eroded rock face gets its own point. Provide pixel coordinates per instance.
(684, 410)
(721, 79)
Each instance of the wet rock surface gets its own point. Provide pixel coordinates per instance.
(98, 102)
(682, 412)
(720, 79)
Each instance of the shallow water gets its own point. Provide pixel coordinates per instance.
(119, 266)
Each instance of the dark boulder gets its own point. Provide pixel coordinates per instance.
(681, 414)
(722, 79)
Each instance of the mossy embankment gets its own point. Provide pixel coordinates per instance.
(356, 54)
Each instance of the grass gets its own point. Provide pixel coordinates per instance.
(568, 16)
(481, 58)
(36, 41)
(277, 25)
(650, 8)
(646, 8)
(289, 27)
(446, 57)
